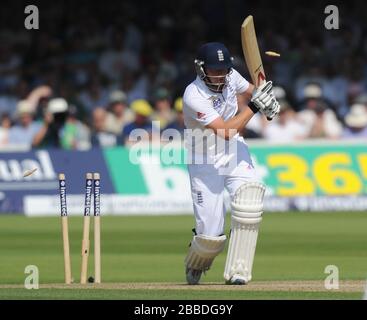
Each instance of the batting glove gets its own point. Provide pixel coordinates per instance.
(263, 99)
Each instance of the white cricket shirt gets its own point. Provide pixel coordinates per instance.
(202, 106)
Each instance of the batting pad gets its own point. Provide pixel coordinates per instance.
(247, 208)
(203, 250)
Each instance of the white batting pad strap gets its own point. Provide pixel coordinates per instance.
(203, 250)
(247, 206)
(246, 219)
(249, 198)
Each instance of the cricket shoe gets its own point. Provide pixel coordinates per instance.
(193, 276)
(237, 279)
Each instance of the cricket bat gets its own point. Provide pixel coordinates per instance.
(251, 52)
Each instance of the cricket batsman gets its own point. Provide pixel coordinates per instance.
(210, 105)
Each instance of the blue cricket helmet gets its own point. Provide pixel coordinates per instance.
(215, 55)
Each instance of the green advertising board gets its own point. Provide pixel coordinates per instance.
(309, 170)
(288, 171)
(312, 176)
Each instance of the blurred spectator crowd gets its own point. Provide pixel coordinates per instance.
(94, 72)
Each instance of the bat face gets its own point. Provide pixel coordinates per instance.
(251, 52)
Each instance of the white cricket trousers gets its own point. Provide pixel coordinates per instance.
(208, 184)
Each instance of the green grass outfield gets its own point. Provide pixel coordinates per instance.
(146, 254)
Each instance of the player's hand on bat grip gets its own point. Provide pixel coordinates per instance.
(270, 113)
(264, 99)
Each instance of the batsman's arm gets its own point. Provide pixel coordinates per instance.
(227, 129)
(246, 96)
